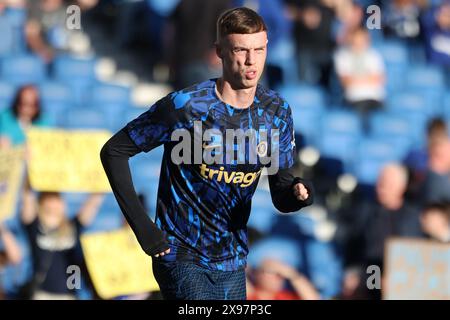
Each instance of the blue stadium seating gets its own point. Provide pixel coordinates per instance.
(306, 122)
(23, 69)
(17, 18)
(303, 96)
(410, 102)
(342, 122)
(282, 55)
(425, 77)
(395, 56)
(263, 213)
(133, 113)
(325, 267)
(109, 94)
(373, 154)
(7, 38)
(85, 118)
(7, 93)
(307, 104)
(279, 248)
(69, 68)
(338, 146)
(446, 105)
(78, 73)
(367, 170)
(56, 99)
(429, 82)
(384, 124)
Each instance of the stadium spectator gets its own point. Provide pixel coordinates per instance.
(436, 187)
(417, 159)
(350, 18)
(25, 112)
(353, 285)
(402, 19)
(46, 29)
(392, 215)
(436, 22)
(269, 280)
(313, 33)
(10, 251)
(194, 24)
(361, 72)
(54, 242)
(435, 221)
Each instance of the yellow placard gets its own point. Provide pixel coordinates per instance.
(117, 264)
(417, 270)
(67, 161)
(11, 173)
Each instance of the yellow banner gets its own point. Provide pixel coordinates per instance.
(67, 161)
(417, 270)
(11, 173)
(117, 264)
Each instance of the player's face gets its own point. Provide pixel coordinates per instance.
(243, 58)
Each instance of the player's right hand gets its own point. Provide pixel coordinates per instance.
(162, 253)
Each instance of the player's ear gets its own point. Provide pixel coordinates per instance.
(218, 49)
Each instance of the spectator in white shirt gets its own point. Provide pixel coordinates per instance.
(361, 71)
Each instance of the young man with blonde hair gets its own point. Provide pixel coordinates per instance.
(199, 240)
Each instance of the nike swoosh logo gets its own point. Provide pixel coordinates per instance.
(210, 146)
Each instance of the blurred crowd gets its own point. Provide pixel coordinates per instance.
(371, 109)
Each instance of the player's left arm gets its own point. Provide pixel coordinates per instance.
(290, 193)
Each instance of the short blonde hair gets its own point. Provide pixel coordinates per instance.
(239, 21)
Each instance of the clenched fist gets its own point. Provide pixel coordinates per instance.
(300, 192)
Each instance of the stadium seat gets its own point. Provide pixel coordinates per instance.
(69, 68)
(384, 124)
(23, 69)
(109, 216)
(7, 38)
(396, 127)
(393, 52)
(282, 55)
(17, 18)
(338, 146)
(373, 154)
(7, 92)
(262, 213)
(78, 73)
(109, 94)
(425, 77)
(325, 266)
(410, 102)
(342, 122)
(133, 113)
(85, 118)
(429, 82)
(305, 122)
(56, 99)
(446, 105)
(395, 56)
(283, 249)
(303, 96)
(307, 104)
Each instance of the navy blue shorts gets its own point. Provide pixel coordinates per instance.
(188, 281)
